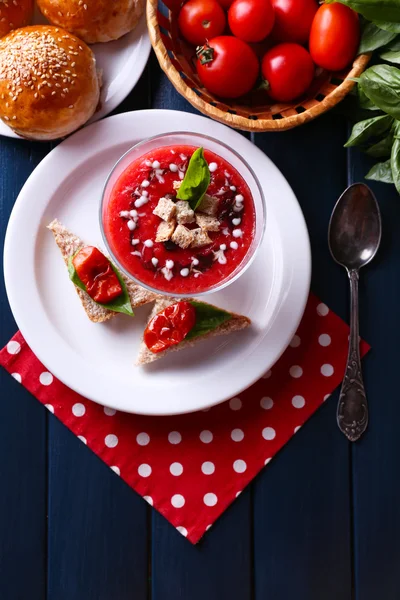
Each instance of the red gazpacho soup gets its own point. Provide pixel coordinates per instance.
(165, 244)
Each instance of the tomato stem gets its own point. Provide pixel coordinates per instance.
(264, 85)
(205, 54)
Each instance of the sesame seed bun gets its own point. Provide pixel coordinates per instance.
(94, 20)
(49, 85)
(14, 14)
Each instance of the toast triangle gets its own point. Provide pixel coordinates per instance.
(68, 244)
(236, 323)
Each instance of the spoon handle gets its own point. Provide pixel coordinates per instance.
(352, 413)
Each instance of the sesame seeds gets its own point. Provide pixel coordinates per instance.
(34, 61)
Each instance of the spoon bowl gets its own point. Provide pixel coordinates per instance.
(355, 227)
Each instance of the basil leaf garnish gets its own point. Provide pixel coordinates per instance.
(196, 181)
(375, 10)
(381, 84)
(120, 304)
(381, 172)
(387, 26)
(208, 318)
(373, 37)
(365, 130)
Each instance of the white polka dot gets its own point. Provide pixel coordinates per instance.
(182, 530)
(296, 341)
(322, 309)
(148, 499)
(143, 439)
(210, 499)
(266, 403)
(176, 469)
(83, 439)
(174, 437)
(208, 467)
(144, 470)
(13, 347)
(116, 470)
(268, 433)
(46, 378)
(297, 428)
(50, 407)
(239, 466)
(235, 404)
(237, 435)
(206, 436)
(296, 371)
(17, 377)
(298, 401)
(111, 440)
(267, 460)
(78, 409)
(238, 494)
(327, 370)
(324, 339)
(110, 412)
(326, 397)
(208, 527)
(177, 501)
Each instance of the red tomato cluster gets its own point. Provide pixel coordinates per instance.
(229, 45)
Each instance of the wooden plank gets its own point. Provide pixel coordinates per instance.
(97, 524)
(221, 565)
(376, 494)
(301, 509)
(22, 427)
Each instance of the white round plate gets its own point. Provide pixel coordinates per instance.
(97, 360)
(122, 63)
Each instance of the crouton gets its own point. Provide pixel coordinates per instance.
(209, 205)
(176, 184)
(184, 214)
(183, 237)
(200, 238)
(165, 231)
(165, 209)
(207, 223)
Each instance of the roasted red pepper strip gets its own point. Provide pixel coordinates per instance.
(96, 272)
(170, 326)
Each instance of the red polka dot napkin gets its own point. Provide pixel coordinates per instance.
(191, 467)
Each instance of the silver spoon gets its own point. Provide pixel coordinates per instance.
(354, 237)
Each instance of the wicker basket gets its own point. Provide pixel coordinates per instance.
(253, 113)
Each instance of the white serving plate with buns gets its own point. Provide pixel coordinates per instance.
(97, 360)
(121, 63)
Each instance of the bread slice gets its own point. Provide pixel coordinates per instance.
(68, 244)
(236, 323)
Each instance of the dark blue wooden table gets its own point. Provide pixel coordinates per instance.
(322, 522)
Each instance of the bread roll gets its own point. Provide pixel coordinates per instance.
(14, 14)
(94, 20)
(49, 85)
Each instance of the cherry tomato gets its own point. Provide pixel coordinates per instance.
(293, 20)
(96, 272)
(334, 37)
(201, 20)
(289, 71)
(227, 66)
(170, 326)
(251, 20)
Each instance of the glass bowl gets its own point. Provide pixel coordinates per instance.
(222, 150)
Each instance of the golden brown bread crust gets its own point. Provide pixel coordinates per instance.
(94, 20)
(49, 85)
(14, 14)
